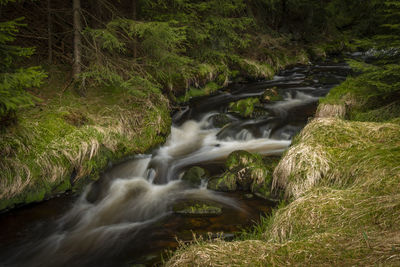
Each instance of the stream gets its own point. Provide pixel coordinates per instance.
(127, 217)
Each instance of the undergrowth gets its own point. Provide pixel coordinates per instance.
(66, 138)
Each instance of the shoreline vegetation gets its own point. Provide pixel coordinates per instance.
(66, 140)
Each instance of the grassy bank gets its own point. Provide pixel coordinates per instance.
(340, 181)
(66, 140)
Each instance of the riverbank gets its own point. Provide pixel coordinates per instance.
(339, 180)
(67, 140)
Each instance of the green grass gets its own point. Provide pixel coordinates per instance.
(67, 140)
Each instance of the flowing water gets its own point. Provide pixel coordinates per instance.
(127, 216)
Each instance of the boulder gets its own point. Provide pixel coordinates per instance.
(244, 107)
(220, 120)
(194, 175)
(271, 94)
(226, 183)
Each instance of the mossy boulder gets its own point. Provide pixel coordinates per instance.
(270, 94)
(194, 175)
(226, 183)
(248, 172)
(244, 107)
(220, 120)
(262, 190)
(195, 208)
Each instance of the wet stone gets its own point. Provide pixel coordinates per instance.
(260, 113)
(270, 94)
(244, 107)
(220, 120)
(226, 183)
(194, 176)
(246, 172)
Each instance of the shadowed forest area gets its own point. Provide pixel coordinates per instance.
(88, 85)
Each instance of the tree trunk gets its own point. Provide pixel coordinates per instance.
(76, 68)
(134, 17)
(49, 33)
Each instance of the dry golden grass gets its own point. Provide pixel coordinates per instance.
(331, 111)
(334, 151)
(321, 249)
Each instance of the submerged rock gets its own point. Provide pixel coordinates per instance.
(194, 175)
(260, 113)
(197, 208)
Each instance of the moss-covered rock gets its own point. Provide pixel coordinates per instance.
(220, 120)
(248, 169)
(194, 176)
(270, 94)
(262, 190)
(226, 183)
(241, 158)
(244, 107)
(247, 172)
(197, 208)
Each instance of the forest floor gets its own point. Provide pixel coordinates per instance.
(340, 180)
(66, 138)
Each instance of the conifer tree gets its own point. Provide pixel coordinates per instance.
(391, 35)
(13, 79)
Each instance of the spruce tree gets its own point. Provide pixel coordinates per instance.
(14, 79)
(391, 34)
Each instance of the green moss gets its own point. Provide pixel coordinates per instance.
(197, 208)
(240, 159)
(194, 175)
(271, 94)
(244, 107)
(369, 94)
(226, 183)
(247, 172)
(383, 114)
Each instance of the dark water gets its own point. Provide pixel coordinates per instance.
(127, 217)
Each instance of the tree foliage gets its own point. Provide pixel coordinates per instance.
(13, 79)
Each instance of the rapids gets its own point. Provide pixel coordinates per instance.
(127, 216)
